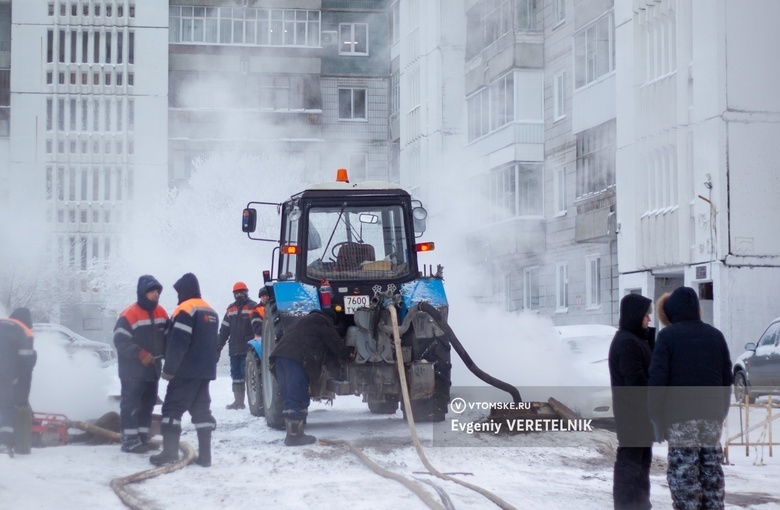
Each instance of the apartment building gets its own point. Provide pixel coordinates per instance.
(306, 79)
(699, 115)
(84, 127)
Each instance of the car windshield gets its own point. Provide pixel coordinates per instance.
(357, 243)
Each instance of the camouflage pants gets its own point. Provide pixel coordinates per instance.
(694, 469)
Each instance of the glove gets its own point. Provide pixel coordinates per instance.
(146, 357)
(167, 377)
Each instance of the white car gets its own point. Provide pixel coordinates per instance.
(72, 342)
(586, 349)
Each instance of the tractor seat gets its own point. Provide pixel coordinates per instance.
(351, 255)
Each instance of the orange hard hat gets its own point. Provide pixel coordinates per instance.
(240, 286)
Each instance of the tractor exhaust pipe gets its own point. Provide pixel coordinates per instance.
(449, 335)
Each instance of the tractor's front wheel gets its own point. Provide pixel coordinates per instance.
(272, 400)
(254, 383)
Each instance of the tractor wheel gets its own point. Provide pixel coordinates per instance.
(254, 383)
(389, 406)
(272, 400)
(741, 389)
(434, 409)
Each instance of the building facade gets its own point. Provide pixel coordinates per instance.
(82, 122)
(305, 79)
(698, 116)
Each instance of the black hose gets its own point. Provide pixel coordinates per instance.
(449, 335)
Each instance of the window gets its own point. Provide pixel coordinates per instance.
(242, 25)
(594, 51)
(559, 96)
(395, 93)
(131, 48)
(352, 104)
(559, 188)
(50, 46)
(593, 281)
(531, 288)
(274, 92)
(561, 287)
(61, 49)
(353, 39)
(515, 190)
(527, 14)
(395, 21)
(596, 159)
(492, 108)
(559, 11)
(73, 45)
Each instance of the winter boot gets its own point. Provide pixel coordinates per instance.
(238, 396)
(150, 445)
(170, 453)
(204, 448)
(295, 435)
(133, 444)
(7, 448)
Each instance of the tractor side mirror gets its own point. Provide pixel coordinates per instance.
(249, 220)
(419, 214)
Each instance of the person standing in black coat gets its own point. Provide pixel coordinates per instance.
(629, 361)
(139, 338)
(190, 365)
(688, 400)
(297, 360)
(17, 360)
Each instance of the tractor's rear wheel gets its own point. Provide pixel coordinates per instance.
(389, 406)
(434, 409)
(254, 383)
(272, 400)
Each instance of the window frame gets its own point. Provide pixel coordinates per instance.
(561, 287)
(559, 96)
(352, 118)
(353, 43)
(528, 288)
(586, 59)
(559, 191)
(593, 295)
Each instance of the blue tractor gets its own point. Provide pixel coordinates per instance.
(352, 247)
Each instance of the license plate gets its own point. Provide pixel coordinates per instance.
(352, 303)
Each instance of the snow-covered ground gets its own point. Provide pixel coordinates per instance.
(252, 468)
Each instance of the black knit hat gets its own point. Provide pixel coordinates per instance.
(23, 315)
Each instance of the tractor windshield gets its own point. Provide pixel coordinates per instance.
(357, 243)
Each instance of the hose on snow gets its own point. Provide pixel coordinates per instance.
(410, 418)
(119, 484)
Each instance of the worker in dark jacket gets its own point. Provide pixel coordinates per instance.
(190, 365)
(297, 360)
(236, 331)
(688, 400)
(629, 361)
(17, 360)
(258, 313)
(139, 338)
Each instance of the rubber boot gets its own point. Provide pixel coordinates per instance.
(170, 452)
(23, 430)
(238, 397)
(295, 435)
(204, 448)
(150, 445)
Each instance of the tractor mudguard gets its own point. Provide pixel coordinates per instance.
(257, 345)
(295, 298)
(424, 289)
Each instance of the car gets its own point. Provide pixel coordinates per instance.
(73, 342)
(586, 353)
(757, 371)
